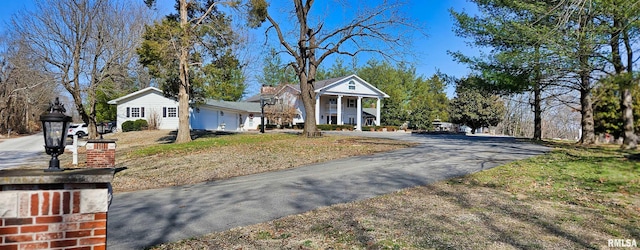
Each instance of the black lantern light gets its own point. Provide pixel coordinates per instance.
(55, 124)
(101, 129)
(265, 99)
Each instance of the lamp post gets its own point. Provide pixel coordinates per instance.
(54, 125)
(101, 129)
(265, 99)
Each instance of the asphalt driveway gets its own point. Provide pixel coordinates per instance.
(144, 218)
(27, 150)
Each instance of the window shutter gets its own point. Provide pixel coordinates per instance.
(142, 112)
(128, 112)
(164, 111)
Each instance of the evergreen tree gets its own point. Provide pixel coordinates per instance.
(473, 107)
(428, 103)
(274, 72)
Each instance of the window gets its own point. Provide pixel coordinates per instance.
(352, 120)
(333, 101)
(351, 103)
(352, 85)
(169, 112)
(135, 112)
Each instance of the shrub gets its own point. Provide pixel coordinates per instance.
(327, 127)
(136, 125)
(127, 126)
(369, 128)
(140, 124)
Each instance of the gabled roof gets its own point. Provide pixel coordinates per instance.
(251, 107)
(279, 89)
(321, 86)
(369, 111)
(136, 94)
(235, 106)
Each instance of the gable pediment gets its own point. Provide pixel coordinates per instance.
(352, 86)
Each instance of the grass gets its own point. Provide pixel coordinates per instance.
(570, 198)
(208, 142)
(569, 174)
(150, 159)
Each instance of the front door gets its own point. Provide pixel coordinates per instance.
(332, 119)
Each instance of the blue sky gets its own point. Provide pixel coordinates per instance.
(431, 51)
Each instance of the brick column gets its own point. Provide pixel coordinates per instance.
(62, 210)
(101, 153)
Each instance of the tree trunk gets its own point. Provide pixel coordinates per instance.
(537, 98)
(537, 112)
(630, 139)
(184, 133)
(586, 104)
(309, 101)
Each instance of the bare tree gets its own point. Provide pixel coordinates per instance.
(375, 28)
(24, 89)
(83, 43)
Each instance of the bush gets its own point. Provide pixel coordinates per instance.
(327, 127)
(140, 124)
(369, 128)
(127, 126)
(136, 125)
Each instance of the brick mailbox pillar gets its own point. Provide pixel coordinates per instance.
(101, 153)
(54, 210)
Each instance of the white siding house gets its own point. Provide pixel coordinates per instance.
(147, 104)
(150, 103)
(224, 115)
(338, 101)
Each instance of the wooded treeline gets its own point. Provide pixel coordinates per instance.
(546, 60)
(561, 52)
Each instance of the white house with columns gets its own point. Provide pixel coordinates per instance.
(338, 101)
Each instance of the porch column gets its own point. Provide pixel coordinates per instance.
(359, 114)
(339, 110)
(378, 112)
(317, 108)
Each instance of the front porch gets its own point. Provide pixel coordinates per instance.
(346, 110)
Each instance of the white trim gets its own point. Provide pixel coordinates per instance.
(378, 112)
(359, 114)
(346, 80)
(317, 108)
(139, 92)
(339, 113)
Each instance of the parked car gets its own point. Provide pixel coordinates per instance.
(109, 127)
(80, 130)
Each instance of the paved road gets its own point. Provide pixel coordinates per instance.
(22, 151)
(27, 150)
(144, 218)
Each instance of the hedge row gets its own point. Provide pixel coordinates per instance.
(328, 127)
(137, 125)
